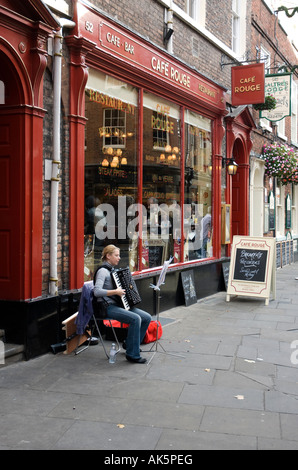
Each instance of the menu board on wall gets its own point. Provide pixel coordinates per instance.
(252, 267)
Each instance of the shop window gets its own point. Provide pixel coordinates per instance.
(111, 171)
(161, 181)
(150, 230)
(198, 188)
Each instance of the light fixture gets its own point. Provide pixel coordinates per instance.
(105, 162)
(115, 162)
(230, 164)
(123, 161)
(231, 167)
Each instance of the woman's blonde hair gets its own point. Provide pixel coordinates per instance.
(108, 250)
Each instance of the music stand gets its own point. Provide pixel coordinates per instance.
(161, 281)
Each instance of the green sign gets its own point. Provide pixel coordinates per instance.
(279, 86)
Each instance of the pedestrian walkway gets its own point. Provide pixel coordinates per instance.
(235, 388)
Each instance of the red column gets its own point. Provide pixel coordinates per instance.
(79, 47)
(218, 134)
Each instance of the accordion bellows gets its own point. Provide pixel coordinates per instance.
(123, 278)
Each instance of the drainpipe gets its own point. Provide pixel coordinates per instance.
(170, 27)
(56, 160)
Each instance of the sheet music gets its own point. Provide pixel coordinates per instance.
(162, 276)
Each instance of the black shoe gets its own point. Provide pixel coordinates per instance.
(93, 341)
(139, 360)
(124, 346)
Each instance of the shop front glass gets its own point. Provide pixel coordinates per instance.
(198, 187)
(111, 178)
(161, 181)
(151, 230)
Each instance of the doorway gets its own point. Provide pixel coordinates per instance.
(11, 125)
(240, 191)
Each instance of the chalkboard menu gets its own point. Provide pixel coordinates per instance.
(155, 256)
(157, 252)
(188, 283)
(225, 272)
(251, 267)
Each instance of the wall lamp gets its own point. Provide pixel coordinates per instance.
(231, 166)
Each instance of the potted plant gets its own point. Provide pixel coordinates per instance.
(281, 162)
(269, 103)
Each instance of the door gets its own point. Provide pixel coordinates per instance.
(10, 230)
(240, 183)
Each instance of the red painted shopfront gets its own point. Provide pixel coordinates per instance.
(131, 102)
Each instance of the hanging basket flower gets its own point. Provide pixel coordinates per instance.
(270, 103)
(281, 162)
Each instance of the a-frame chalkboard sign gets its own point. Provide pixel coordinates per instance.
(252, 267)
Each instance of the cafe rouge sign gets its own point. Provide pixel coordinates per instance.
(248, 84)
(115, 40)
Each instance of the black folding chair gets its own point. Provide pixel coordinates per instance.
(86, 307)
(93, 328)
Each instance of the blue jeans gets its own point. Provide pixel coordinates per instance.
(138, 321)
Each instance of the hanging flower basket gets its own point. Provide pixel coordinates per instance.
(281, 162)
(270, 103)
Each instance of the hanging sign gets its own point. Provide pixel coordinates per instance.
(279, 86)
(248, 84)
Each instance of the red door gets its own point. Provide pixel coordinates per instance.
(10, 230)
(240, 183)
(236, 206)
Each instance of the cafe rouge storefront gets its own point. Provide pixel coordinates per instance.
(146, 160)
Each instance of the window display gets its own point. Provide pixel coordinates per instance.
(111, 144)
(161, 180)
(198, 187)
(148, 223)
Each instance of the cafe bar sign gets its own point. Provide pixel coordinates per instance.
(248, 84)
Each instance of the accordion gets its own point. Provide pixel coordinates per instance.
(123, 278)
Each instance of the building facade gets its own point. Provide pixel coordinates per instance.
(273, 201)
(135, 131)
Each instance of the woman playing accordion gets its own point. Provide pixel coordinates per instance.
(104, 289)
